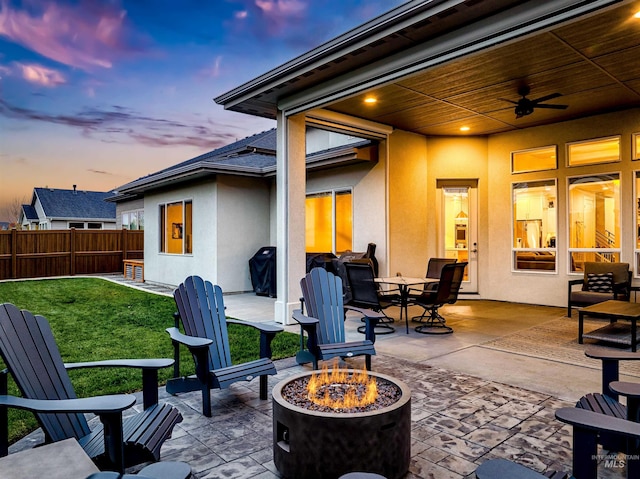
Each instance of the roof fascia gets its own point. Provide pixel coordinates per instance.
(511, 25)
(380, 27)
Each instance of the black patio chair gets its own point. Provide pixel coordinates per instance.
(324, 322)
(365, 293)
(434, 269)
(29, 351)
(447, 293)
(201, 309)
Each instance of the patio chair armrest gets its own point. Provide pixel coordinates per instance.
(573, 282)
(262, 327)
(192, 342)
(627, 389)
(159, 363)
(98, 404)
(597, 423)
(268, 331)
(367, 313)
(305, 321)
(149, 369)
(612, 355)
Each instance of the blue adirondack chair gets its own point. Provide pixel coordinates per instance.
(201, 308)
(29, 351)
(324, 321)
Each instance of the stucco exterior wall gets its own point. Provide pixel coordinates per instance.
(172, 269)
(367, 182)
(243, 226)
(408, 205)
(551, 288)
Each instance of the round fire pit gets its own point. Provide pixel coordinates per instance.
(314, 444)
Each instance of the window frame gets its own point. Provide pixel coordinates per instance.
(333, 192)
(570, 250)
(553, 250)
(185, 228)
(532, 150)
(138, 213)
(571, 144)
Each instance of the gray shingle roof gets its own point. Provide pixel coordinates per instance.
(30, 212)
(79, 204)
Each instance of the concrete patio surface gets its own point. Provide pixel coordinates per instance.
(469, 402)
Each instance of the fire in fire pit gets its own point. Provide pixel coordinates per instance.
(339, 421)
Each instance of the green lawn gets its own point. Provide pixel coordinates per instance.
(95, 319)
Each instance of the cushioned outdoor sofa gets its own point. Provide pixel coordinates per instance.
(601, 282)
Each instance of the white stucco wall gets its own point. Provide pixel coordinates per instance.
(243, 226)
(172, 269)
(551, 288)
(367, 181)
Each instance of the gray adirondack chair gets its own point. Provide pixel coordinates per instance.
(29, 351)
(324, 322)
(201, 309)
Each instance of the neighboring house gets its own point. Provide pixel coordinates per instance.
(209, 215)
(472, 164)
(29, 218)
(4, 225)
(55, 209)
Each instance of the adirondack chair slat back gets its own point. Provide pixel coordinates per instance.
(201, 308)
(322, 293)
(30, 352)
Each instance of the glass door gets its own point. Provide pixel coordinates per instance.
(458, 227)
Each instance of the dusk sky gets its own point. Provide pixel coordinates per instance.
(100, 92)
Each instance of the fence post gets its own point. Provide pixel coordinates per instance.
(125, 244)
(14, 253)
(72, 253)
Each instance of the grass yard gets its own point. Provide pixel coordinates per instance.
(94, 319)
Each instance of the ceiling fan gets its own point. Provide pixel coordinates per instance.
(525, 106)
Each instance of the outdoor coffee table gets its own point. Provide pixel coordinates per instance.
(612, 310)
(404, 283)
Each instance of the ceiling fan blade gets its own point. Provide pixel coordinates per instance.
(510, 101)
(548, 97)
(555, 107)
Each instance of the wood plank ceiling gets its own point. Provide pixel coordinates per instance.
(594, 63)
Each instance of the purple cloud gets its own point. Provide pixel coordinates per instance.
(123, 125)
(87, 36)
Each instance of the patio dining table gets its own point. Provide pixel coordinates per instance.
(404, 283)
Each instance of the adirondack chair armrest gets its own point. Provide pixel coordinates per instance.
(594, 422)
(192, 342)
(303, 320)
(159, 363)
(268, 331)
(367, 313)
(98, 404)
(610, 365)
(149, 369)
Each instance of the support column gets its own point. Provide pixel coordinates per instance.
(290, 214)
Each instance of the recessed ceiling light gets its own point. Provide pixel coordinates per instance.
(637, 15)
(464, 128)
(370, 99)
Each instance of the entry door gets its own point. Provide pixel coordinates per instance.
(458, 227)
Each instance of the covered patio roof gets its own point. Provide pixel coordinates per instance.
(436, 66)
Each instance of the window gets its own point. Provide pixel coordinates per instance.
(329, 222)
(636, 146)
(594, 219)
(76, 225)
(592, 152)
(133, 220)
(637, 223)
(94, 226)
(534, 159)
(176, 228)
(535, 222)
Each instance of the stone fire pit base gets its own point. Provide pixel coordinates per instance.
(317, 445)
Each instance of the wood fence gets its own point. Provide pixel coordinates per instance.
(40, 253)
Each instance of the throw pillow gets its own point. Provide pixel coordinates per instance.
(600, 282)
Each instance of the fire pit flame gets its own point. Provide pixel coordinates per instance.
(340, 390)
